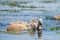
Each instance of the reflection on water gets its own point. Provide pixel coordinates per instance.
(39, 34)
(33, 33)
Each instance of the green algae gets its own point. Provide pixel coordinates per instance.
(55, 28)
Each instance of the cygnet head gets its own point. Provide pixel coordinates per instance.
(41, 20)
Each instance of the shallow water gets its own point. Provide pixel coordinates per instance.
(14, 13)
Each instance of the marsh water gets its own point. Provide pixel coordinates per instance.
(11, 11)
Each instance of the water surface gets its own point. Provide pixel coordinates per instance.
(9, 13)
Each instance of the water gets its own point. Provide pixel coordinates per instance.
(10, 13)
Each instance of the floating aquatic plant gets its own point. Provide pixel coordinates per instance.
(11, 10)
(44, 10)
(12, 4)
(33, 7)
(58, 32)
(49, 17)
(0, 31)
(24, 6)
(23, 2)
(55, 28)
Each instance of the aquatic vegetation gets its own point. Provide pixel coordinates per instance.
(16, 4)
(58, 32)
(33, 7)
(28, 7)
(23, 2)
(4, 10)
(12, 4)
(53, 18)
(2, 31)
(49, 17)
(55, 28)
(23, 6)
(11, 10)
(44, 10)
